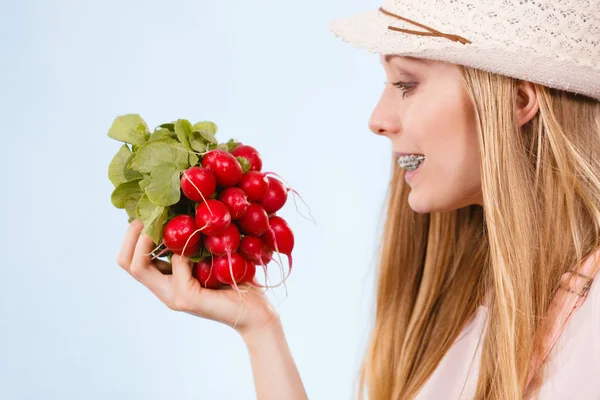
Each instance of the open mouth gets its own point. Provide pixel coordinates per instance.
(411, 162)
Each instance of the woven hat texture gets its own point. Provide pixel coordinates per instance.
(554, 43)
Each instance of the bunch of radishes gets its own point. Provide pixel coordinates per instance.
(198, 198)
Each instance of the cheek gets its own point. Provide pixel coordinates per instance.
(451, 137)
(452, 151)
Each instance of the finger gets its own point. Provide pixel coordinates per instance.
(128, 246)
(187, 291)
(182, 273)
(145, 271)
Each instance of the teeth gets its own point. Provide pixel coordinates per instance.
(411, 161)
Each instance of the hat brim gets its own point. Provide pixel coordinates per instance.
(369, 31)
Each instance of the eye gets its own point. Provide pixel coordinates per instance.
(406, 87)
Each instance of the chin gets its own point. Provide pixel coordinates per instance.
(418, 204)
(422, 205)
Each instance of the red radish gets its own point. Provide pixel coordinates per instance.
(280, 233)
(255, 221)
(198, 183)
(226, 167)
(280, 238)
(250, 272)
(212, 217)
(254, 184)
(236, 201)
(227, 266)
(250, 154)
(180, 234)
(227, 242)
(204, 272)
(251, 248)
(275, 197)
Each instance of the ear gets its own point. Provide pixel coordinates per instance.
(527, 103)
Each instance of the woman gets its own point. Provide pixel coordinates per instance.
(492, 235)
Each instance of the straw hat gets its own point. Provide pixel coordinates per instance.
(555, 43)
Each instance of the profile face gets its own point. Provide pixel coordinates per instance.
(425, 110)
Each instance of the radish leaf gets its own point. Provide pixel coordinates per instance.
(207, 126)
(154, 218)
(197, 142)
(117, 170)
(170, 126)
(244, 163)
(160, 134)
(131, 204)
(209, 137)
(183, 129)
(129, 128)
(207, 130)
(231, 145)
(194, 160)
(125, 191)
(163, 185)
(158, 152)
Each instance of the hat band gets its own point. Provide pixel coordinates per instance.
(432, 32)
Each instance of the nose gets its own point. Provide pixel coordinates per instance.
(384, 120)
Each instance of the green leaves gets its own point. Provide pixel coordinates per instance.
(207, 131)
(163, 185)
(244, 163)
(206, 126)
(204, 254)
(158, 152)
(129, 128)
(194, 160)
(183, 129)
(146, 170)
(124, 191)
(231, 145)
(153, 216)
(117, 170)
(161, 134)
(197, 142)
(126, 196)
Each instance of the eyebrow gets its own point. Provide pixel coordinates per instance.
(422, 61)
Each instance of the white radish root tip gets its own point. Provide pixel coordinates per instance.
(312, 218)
(155, 249)
(294, 192)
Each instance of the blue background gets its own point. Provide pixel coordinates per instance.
(73, 325)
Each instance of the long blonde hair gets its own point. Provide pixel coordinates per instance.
(541, 190)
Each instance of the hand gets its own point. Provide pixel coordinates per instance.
(181, 291)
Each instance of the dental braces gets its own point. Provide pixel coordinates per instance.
(410, 162)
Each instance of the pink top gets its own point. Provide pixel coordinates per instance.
(573, 362)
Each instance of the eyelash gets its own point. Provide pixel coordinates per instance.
(407, 88)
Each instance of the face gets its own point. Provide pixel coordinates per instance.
(424, 109)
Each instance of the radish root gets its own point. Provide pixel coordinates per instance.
(294, 192)
(199, 192)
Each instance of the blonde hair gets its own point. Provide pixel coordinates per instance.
(541, 190)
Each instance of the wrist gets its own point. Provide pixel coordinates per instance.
(269, 329)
